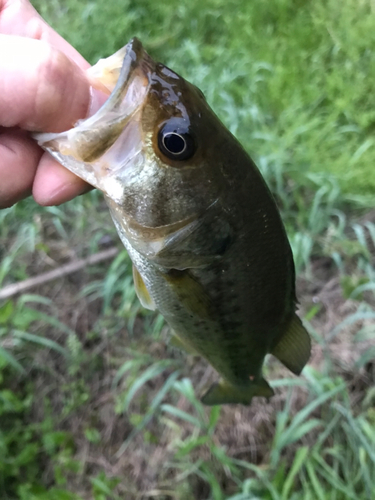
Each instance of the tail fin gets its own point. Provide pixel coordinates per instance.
(294, 347)
(224, 392)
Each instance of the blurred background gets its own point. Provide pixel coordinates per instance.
(93, 402)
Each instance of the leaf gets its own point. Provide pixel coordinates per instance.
(42, 341)
(314, 481)
(356, 429)
(214, 417)
(332, 478)
(11, 360)
(151, 411)
(125, 367)
(6, 312)
(190, 444)
(183, 415)
(298, 462)
(296, 429)
(185, 387)
(150, 373)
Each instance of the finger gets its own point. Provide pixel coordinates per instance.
(19, 157)
(54, 184)
(18, 17)
(40, 88)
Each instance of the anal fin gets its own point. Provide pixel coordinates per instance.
(224, 392)
(294, 347)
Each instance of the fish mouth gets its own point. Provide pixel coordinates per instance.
(100, 148)
(117, 68)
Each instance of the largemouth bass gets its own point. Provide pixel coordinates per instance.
(203, 231)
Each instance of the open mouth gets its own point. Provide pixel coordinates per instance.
(104, 144)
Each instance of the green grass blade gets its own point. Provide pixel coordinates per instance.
(314, 481)
(150, 413)
(11, 360)
(298, 463)
(151, 372)
(183, 415)
(41, 341)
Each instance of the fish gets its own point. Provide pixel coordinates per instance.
(208, 246)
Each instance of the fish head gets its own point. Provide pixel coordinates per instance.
(155, 148)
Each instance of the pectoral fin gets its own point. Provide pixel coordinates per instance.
(294, 347)
(206, 238)
(225, 393)
(142, 292)
(190, 293)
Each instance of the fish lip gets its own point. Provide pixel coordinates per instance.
(134, 48)
(135, 55)
(135, 58)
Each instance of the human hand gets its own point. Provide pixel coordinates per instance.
(43, 87)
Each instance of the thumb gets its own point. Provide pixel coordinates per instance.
(41, 89)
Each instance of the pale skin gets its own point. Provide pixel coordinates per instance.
(43, 87)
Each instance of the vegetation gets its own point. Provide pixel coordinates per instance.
(93, 403)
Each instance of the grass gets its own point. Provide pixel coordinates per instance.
(93, 404)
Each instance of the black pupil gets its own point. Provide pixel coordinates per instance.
(174, 143)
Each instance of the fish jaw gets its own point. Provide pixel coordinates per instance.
(102, 148)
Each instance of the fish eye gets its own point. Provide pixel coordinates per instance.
(175, 141)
